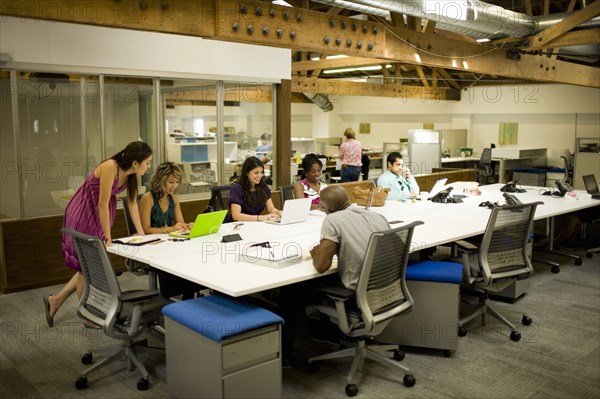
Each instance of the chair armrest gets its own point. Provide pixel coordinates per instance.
(138, 296)
(337, 293)
(466, 246)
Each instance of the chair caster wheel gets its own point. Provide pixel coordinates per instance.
(312, 368)
(399, 355)
(409, 380)
(87, 358)
(143, 384)
(447, 353)
(578, 262)
(81, 383)
(462, 331)
(526, 320)
(351, 389)
(515, 335)
(589, 255)
(555, 269)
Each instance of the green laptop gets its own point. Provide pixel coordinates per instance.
(205, 224)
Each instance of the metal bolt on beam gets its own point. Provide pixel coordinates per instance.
(265, 31)
(258, 11)
(164, 5)
(354, 27)
(243, 8)
(343, 24)
(143, 5)
(272, 12)
(338, 41)
(286, 15)
(349, 42)
(235, 26)
(332, 23)
(279, 33)
(375, 30)
(299, 17)
(370, 46)
(326, 40)
(365, 28)
(293, 35)
(359, 44)
(250, 29)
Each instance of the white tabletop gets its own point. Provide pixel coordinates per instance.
(225, 268)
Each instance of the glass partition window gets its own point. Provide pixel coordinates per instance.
(249, 125)
(191, 131)
(64, 128)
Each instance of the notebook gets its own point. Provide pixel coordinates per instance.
(205, 224)
(591, 186)
(294, 211)
(437, 187)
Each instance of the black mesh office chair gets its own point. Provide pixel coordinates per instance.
(287, 192)
(380, 295)
(218, 197)
(484, 168)
(497, 260)
(123, 315)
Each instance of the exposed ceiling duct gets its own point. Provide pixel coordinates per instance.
(475, 19)
(321, 100)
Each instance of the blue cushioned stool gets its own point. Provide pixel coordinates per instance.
(433, 322)
(220, 347)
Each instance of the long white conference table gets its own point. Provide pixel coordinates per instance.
(226, 267)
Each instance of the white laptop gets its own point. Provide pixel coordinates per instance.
(294, 211)
(437, 187)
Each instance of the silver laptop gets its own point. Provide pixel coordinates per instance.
(437, 187)
(294, 211)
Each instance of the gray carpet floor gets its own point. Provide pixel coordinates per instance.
(557, 357)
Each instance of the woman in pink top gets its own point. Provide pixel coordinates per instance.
(350, 154)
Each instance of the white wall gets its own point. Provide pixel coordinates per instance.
(548, 115)
(92, 49)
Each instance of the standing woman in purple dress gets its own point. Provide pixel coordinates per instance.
(249, 197)
(92, 211)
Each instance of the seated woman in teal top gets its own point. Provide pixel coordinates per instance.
(160, 213)
(398, 178)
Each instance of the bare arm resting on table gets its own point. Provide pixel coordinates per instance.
(322, 255)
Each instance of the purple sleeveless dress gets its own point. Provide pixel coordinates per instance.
(82, 215)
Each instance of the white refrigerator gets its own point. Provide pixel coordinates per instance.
(424, 150)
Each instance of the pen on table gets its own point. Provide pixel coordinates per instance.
(237, 226)
(157, 242)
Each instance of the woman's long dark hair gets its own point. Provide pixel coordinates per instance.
(308, 161)
(135, 151)
(249, 164)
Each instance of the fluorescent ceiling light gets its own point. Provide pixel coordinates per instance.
(359, 80)
(329, 57)
(465, 65)
(484, 40)
(366, 68)
(417, 57)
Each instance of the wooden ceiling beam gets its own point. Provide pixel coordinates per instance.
(575, 38)
(334, 88)
(556, 30)
(440, 52)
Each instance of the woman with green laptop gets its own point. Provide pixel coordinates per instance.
(160, 212)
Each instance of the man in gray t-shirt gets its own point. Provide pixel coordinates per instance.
(345, 233)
